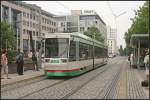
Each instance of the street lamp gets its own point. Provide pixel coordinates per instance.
(115, 19)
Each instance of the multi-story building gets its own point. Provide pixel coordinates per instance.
(111, 41)
(80, 21)
(31, 19)
(27, 18)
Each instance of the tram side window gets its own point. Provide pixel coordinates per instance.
(98, 52)
(90, 53)
(101, 52)
(83, 51)
(72, 52)
(104, 54)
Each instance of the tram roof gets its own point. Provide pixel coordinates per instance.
(75, 34)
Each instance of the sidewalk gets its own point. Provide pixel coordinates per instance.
(29, 74)
(141, 76)
(129, 83)
(137, 76)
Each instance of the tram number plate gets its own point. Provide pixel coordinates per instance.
(54, 61)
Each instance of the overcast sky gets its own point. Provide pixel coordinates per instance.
(101, 7)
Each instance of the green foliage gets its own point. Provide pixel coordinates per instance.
(8, 41)
(140, 23)
(121, 50)
(94, 31)
(7, 36)
(11, 56)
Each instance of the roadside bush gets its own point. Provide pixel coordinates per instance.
(11, 56)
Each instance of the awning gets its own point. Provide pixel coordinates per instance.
(143, 38)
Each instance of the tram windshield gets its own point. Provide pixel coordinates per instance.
(56, 47)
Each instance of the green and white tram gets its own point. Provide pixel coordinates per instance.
(71, 54)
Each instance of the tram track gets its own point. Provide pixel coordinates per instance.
(52, 83)
(110, 91)
(43, 89)
(78, 88)
(48, 87)
(112, 87)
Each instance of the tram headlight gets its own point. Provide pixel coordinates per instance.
(64, 60)
(47, 60)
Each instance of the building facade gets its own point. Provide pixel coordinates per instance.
(111, 41)
(31, 19)
(27, 18)
(80, 21)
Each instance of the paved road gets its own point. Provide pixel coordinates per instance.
(112, 81)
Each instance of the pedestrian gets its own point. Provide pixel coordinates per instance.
(4, 63)
(37, 56)
(19, 62)
(34, 60)
(146, 62)
(131, 59)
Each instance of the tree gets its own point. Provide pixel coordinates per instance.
(93, 30)
(140, 23)
(8, 40)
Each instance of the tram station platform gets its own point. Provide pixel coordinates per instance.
(129, 83)
(27, 75)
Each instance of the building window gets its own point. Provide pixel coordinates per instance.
(33, 25)
(37, 34)
(24, 22)
(30, 16)
(24, 31)
(24, 14)
(25, 44)
(30, 24)
(37, 26)
(37, 18)
(54, 23)
(27, 15)
(34, 17)
(33, 33)
(50, 29)
(27, 23)
(61, 24)
(43, 20)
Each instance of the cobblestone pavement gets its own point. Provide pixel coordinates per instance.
(114, 80)
(134, 89)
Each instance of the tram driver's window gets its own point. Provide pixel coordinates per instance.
(72, 52)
